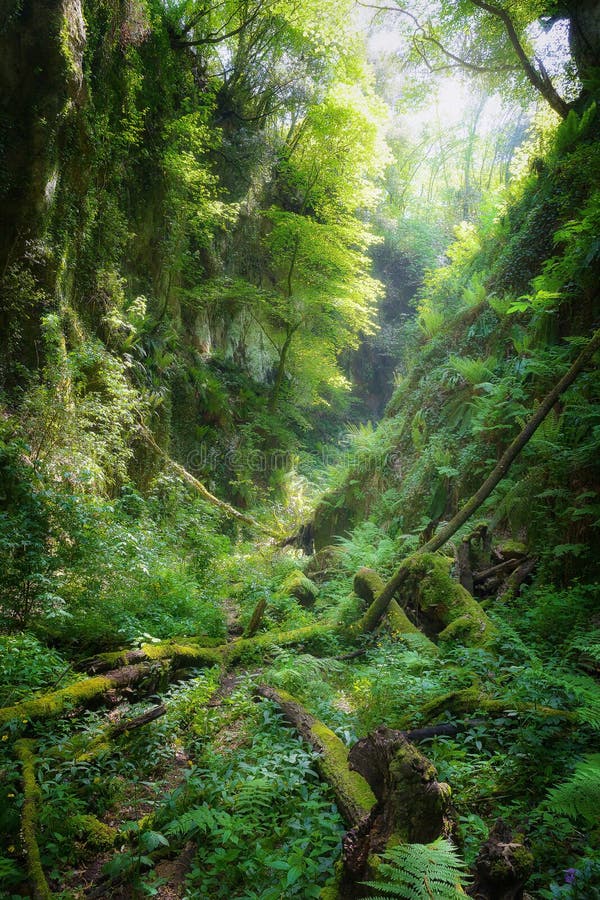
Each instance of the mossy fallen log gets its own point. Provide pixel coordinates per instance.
(307, 635)
(367, 585)
(89, 830)
(156, 662)
(446, 606)
(226, 508)
(353, 795)
(32, 798)
(187, 650)
(82, 693)
(474, 699)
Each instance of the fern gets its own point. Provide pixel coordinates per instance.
(579, 797)
(474, 371)
(201, 819)
(587, 694)
(420, 872)
(255, 800)
(586, 646)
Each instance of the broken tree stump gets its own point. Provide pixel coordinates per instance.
(502, 867)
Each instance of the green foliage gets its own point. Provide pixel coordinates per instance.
(262, 791)
(420, 871)
(580, 795)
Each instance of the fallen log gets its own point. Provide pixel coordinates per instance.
(155, 662)
(32, 798)
(371, 618)
(512, 585)
(352, 793)
(87, 692)
(368, 585)
(474, 699)
(385, 789)
(507, 565)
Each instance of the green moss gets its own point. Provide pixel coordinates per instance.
(400, 625)
(297, 585)
(355, 798)
(29, 816)
(500, 870)
(522, 861)
(445, 601)
(473, 698)
(234, 651)
(184, 653)
(92, 832)
(368, 584)
(54, 703)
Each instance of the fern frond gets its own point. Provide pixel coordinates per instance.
(579, 797)
(202, 819)
(587, 695)
(473, 371)
(420, 872)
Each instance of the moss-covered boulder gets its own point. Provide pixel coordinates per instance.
(297, 585)
(446, 607)
(92, 832)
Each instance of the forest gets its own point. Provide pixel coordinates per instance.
(299, 449)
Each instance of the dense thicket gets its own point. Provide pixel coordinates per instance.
(234, 232)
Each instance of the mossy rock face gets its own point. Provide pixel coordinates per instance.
(297, 585)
